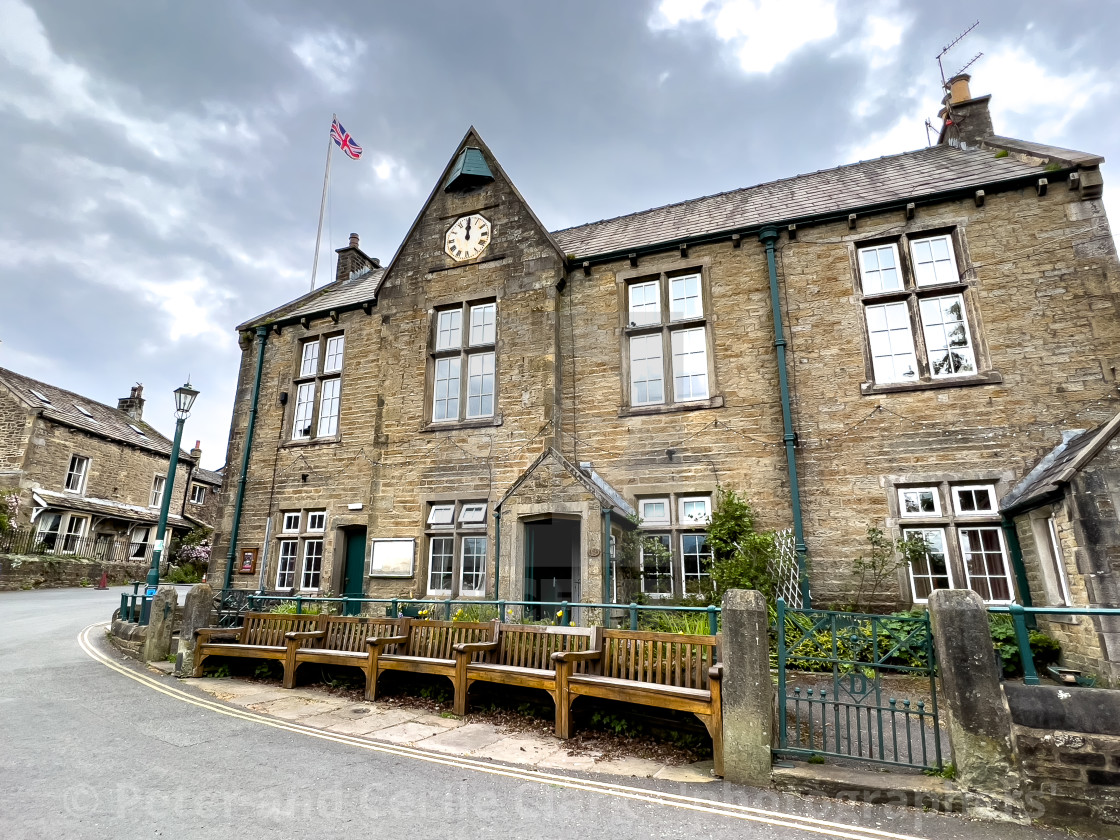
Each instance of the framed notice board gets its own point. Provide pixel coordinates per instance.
(247, 564)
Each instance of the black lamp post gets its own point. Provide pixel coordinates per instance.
(184, 400)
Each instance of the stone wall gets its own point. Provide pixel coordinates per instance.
(1040, 289)
(15, 429)
(1068, 745)
(39, 572)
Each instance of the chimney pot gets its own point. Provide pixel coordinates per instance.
(958, 89)
(353, 240)
(133, 404)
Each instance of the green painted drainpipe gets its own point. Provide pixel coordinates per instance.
(768, 236)
(498, 556)
(262, 335)
(606, 554)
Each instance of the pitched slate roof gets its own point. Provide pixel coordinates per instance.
(887, 179)
(1058, 466)
(66, 407)
(105, 507)
(208, 476)
(340, 293)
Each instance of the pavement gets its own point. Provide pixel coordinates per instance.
(93, 745)
(442, 733)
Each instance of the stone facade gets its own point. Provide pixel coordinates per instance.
(1038, 278)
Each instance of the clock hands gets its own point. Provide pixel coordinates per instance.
(468, 236)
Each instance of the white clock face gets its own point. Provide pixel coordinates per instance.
(467, 238)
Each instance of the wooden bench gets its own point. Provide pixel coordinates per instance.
(666, 670)
(520, 656)
(260, 637)
(425, 647)
(337, 640)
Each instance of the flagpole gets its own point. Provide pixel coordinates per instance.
(322, 204)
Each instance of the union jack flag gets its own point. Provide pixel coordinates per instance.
(344, 141)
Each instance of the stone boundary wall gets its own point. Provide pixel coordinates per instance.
(51, 572)
(1068, 745)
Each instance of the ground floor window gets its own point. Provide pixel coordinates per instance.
(312, 564)
(62, 532)
(457, 546)
(286, 567)
(696, 560)
(959, 523)
(656, 560)
(673, 553)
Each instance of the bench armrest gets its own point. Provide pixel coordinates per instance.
(475, 647)
(204, 634)
(374, 641)
(716, 672)
(298, 635)
(576, 655)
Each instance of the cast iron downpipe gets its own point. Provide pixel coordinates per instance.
(768, 236)
(498, 557)
(1011, 537)
(262, 336)
(606, 554)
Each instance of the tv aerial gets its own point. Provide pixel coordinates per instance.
(949, 46)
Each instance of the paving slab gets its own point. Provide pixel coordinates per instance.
(520, 749)
(580, 763)
(463, 740)
(408, 733)
(698, 773)
(362, 725)
(639, 768)
(291, 708)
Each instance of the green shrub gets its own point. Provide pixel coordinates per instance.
(289, 608)
(475, 612)
(1045, 649)
(741, 555)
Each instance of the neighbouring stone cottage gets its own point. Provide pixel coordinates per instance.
(87, 479)
(487, 413)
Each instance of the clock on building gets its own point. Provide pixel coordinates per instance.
(467, 238)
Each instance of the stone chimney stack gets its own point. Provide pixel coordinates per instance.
(352, 260)
(133, 404)
(966, 122)
(196, 453)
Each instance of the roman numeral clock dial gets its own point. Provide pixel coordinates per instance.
(467, 238)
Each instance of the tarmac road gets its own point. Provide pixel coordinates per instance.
(93, 745)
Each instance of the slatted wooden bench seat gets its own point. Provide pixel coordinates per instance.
(338, 640)
(666, 670)
(260, 637)
(424, 647)
(520, 656)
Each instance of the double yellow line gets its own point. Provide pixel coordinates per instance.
(671, 800)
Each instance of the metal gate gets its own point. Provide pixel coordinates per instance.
(857, 686)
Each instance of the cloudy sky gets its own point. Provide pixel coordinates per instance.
(161, 163)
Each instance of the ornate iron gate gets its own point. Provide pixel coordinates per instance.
(857, 686)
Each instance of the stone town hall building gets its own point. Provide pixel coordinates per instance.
(474, 418)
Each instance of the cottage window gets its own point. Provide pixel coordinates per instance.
(299, 562)
(286, 567)
(456, 397)
(671, 527)
(933, 570)
(916, 314)
(76, 474)
(667, 341)
(75, 530)
(318, 386)
(964, 541)
(156, 497)
(140, 543)
(61, 532)
(198, 494)
(919, 501)
(456, 548)
(312, 565)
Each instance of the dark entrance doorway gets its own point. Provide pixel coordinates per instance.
(552, 567)
(354, 575)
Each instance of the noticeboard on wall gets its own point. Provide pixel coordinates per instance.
(391, 558)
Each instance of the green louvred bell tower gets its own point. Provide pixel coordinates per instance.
(469, 171)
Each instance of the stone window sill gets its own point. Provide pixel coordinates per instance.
(699, 405)
(991, 377)
(482, 423)
(294, 444)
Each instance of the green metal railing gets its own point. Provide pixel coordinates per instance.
(1020, 619)
(563, 612)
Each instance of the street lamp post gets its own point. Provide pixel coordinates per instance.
(184, 400)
